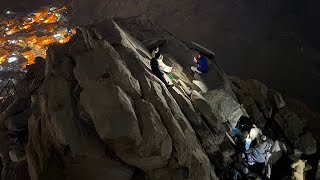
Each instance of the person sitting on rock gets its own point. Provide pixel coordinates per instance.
(154, 51)
(156, 68)
(202, 62)
(162, 65)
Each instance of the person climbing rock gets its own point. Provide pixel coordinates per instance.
(202, 64)
(154, 63)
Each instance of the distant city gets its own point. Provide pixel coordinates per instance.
(26, 36)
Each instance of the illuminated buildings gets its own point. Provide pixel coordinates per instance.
(24, 37)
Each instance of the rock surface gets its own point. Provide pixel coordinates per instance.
(261, 95)
(244, 97)
(99, 112)
(224, 106)
(307, 143)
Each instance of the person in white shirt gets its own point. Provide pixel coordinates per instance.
(163, 67)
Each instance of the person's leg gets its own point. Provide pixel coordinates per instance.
(163, 80)
(167, 79)
(195, 69)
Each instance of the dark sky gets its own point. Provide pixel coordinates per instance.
(24, 5)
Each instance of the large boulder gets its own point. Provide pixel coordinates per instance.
(307, 143)
(278, 99)
(114, 117)
(262, 96)
(102, 66)
(117, 36)
(155, 149)
(293, 126)
(209, 140)
(244, 97)
(57, 131)
(254, 112)
(203, 106)
(224, 106)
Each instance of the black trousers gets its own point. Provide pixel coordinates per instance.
(162, 79)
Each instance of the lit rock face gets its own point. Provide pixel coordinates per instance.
(108, 98)
(100, 112)
(224, 106)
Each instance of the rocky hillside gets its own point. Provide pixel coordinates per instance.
(96, 111)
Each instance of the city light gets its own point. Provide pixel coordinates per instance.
(26, 36)
(12, 59)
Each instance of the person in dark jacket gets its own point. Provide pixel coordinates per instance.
(156, 68)
(202, 62)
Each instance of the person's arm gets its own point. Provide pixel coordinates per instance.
(164, 67)
(294, 165)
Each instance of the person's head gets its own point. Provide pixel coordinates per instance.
(263, 138)
(157, 55)
(197, 54)
(156, 49)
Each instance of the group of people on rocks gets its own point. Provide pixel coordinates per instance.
(256, 154)
(160, 69)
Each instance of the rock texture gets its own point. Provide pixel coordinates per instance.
(255, 96)
(98, 111)
(224, 106)
(244, 97)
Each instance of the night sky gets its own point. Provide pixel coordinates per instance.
(23, 5)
